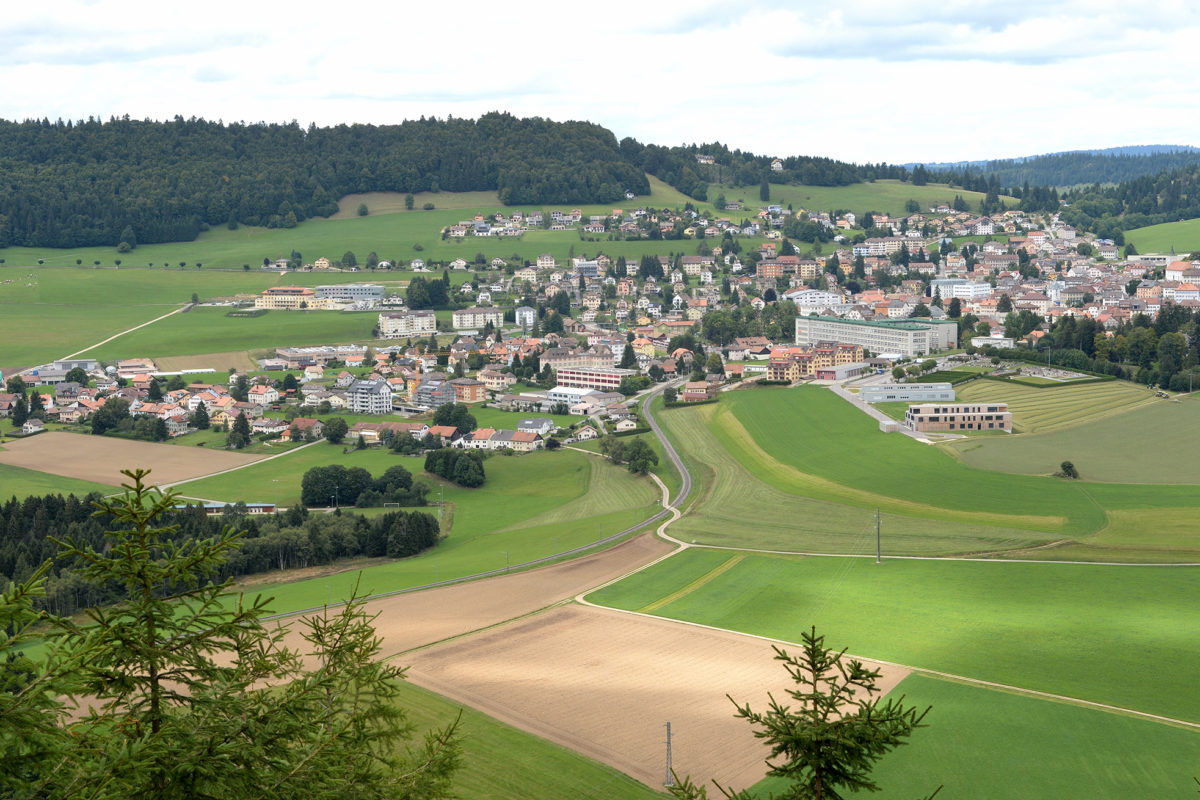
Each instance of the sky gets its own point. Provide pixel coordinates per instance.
(856, 80)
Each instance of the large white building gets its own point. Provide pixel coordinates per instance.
(350, 292)
(476, 317)
(602, 378)
(369, 397)
(526, 316)
(290, 298)
(909, 338)
(404, 324)
(906, 392)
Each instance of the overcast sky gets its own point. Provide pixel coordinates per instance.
(858, 80)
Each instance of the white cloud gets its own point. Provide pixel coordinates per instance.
(858, 80)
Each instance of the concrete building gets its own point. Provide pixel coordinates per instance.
(909, 338)
(603, 378)
(526, 316)
(369, 397)
(406, 324)
(959, 417)
(288, 298)
(907, 392)
(350, 292)
(297, 357)
(476, 317)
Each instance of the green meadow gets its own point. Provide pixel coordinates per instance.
(884, 196)
(982, 744)
(1061, 405)
(1101, 449)
(20, 482)
(1090, 632)
(532, 506)
(1182, 236)
(501, 762)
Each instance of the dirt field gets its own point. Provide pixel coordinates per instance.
(219, 361)
(101, 459)
(597, 681)
(604, 683)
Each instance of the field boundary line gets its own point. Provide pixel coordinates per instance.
(711, 575)
(173, 484)
(122, 333)
(949, 676)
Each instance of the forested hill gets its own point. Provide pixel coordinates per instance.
(1075, 168)
(93, 183)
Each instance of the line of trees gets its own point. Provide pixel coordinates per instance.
(464, 467)
(288, 540)
(353, 486)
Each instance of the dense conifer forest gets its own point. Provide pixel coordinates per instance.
(288, 540)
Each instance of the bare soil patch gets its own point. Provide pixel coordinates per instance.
(218, 361)
(604, 683)
(101, 459)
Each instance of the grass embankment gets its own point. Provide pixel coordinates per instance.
(1183, 236)
(886, 196)
(1058, 405)
(20, 482)
(532, 506)
(1100, 449)
(1093, 632)
(503, 763)
(987, 745)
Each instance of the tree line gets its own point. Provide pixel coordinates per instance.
(94, 183)
(288, 540)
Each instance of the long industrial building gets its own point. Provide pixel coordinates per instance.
(909, 338)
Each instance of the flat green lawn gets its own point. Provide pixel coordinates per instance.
(1118, 635)
(503, 763)
(1184, 236)
(987, 745)
(21, 482)
(1100, 449)
(886, 196)
(208, 330)
(532, 506)
(1036, 409)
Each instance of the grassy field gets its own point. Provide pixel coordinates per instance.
(887, 196)
(503, 763)
(532, 506)
(1184, 236)
(987, 745)
(802, 471)
(1091, 632)
(208, 330)
(1100, 448)
(20, 482)
(1035, 409)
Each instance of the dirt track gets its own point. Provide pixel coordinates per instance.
(101, 458)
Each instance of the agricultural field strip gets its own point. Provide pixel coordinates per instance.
(694, 585)
(239, 467)
(964, 679)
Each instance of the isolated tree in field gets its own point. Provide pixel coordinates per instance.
(827, 743)
(764, 191)
(409, 201)
(639, 457)
(362, 209)
(1067, 469)
(335, 430)
(189, 696)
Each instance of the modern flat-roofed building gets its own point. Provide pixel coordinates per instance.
(405, 324)
(288, 298)
(297, 357)
(607, 378)
(350, 292)
(907, 393)
(909, 338)
(477, 317)
(959, 417)
(369, 397)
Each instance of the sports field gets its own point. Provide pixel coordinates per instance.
(1036, 409)
(1082, 631)
(1113, 448)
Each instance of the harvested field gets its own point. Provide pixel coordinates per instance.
(604, 684)
(100, 458)
(219, 361)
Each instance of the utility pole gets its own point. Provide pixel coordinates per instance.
(670, 780)
(878, 553)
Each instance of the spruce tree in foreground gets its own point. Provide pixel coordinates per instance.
(828, 743)
(188, 695)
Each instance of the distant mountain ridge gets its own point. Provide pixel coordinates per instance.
(1078, 167)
